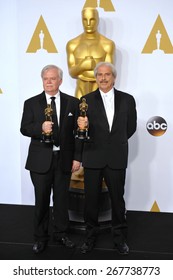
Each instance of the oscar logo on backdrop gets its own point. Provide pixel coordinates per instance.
(41, 41)
(105, 4)
(83, 53)
(158, 41)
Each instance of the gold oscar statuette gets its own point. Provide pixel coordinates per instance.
(83, 133)
(48, 137)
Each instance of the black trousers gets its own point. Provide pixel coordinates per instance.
(58, 181)
(115, 181)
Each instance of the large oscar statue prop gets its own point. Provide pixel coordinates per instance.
(83, 133)
(83, 54)
(48, 137)
(86, 50)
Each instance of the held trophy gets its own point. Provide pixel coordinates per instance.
(83, 133)
(48, 137)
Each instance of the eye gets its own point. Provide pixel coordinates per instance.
(108, 74)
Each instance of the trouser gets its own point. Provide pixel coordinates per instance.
(58, 181)
(115, 181)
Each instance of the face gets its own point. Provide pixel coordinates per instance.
(105, 78)
(90, 20)
(51, 81)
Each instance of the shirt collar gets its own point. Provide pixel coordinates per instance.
(48, 96)
(108, 94)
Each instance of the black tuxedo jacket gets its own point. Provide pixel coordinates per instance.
(40, 154)
(106, 147)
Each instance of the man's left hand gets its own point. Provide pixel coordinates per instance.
(75, 166)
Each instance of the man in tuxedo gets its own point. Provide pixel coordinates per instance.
(111, 120)
(51, 164)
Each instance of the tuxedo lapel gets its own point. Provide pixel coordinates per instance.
(63, 105)
(43, 102)
(117, 101)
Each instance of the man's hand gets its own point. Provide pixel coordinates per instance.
(82, 122)
(75, 166)
(47, 127)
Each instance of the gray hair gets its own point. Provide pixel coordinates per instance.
(51, 66)
(108, 64)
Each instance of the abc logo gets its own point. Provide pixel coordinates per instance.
(156, 126)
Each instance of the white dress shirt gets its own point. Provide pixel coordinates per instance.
(108, 101)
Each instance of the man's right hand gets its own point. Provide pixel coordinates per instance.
(82, 122)
(47, 127)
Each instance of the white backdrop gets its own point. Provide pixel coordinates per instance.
(143, 71)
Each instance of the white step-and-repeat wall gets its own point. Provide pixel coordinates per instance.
(143, 33)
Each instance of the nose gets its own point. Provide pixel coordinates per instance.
(49, 81)
(103, 77)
